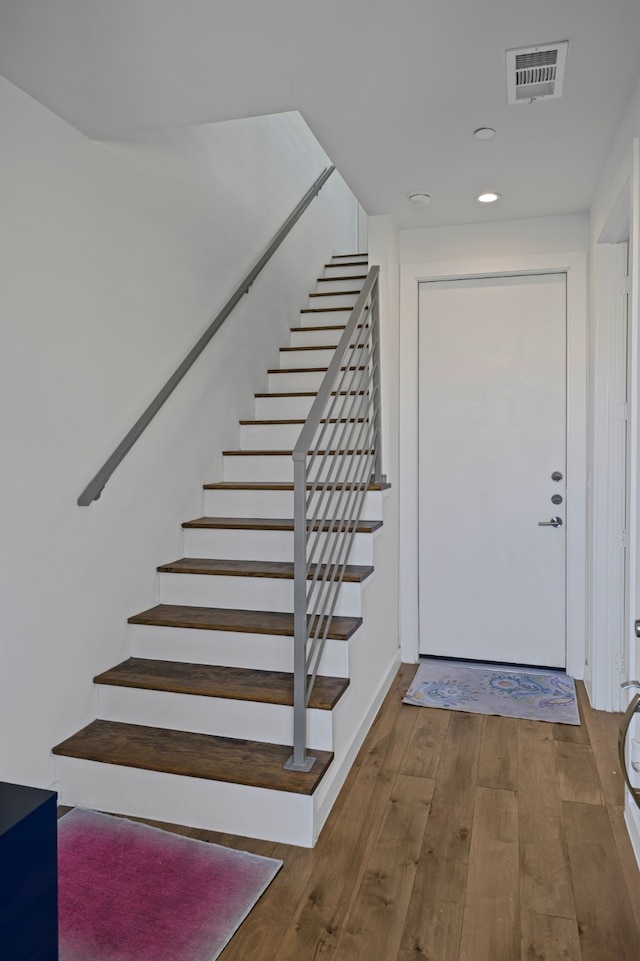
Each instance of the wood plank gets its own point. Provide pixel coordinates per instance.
(260, 936)
(268, 452)
(491, 920)
(545, 874)
(270, 524)
(230, 619)
(193, 755)
(434, 920)
(605, 917)
(280, 570)
(577, 773)
(498, 765)
(603, 730)
(206, 680)
(546, 938)
(627, 858)
(374, 926)
(284, 486)
(422, 755)
(346, 844)
(328, 280)
(573, 732)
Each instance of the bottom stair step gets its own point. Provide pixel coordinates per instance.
(250, 763)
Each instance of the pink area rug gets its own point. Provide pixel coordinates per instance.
(129, 892)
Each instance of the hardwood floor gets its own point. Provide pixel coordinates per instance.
(459, 837)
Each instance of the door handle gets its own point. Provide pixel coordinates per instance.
(554, 522)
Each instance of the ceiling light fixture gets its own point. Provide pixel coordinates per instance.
(489, 197)
(484, 133)
(419, 199)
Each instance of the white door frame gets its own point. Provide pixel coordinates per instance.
(608, 640)
(632, 813)
(574, 264)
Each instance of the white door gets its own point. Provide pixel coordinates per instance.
(492, 438)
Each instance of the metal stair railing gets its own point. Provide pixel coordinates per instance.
(336, 458)
(95, 487)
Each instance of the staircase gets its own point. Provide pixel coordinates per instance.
(196, 726)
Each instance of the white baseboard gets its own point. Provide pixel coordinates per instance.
(632, 820)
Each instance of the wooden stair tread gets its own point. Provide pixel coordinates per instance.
(251, 763)
(306, 393)
(266, 524)
(240, 621)
(324, 310)
(231, 683)
(316, 328)
(295, 350)
(281, 486)
(284, 350)
(300, 420)
(308, 370)
(298, 370)
(288, 453)
(278, 570)
(363, 262)
(325, 327)
(365, 257)
(336, 293)
(325, 280)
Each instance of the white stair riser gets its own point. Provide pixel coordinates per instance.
(359, 259)
(261, 545)
(321, 358)
(333, 300)
(277, 467)
(260, 652)
(286, 407)
(282, 436)
(306, 358)
(246, 593)
(269, 436)
(211, 805)
(285, 381)
(344, 270)
(223, 717)
(317, 337)
(280, 408)
(321, 318)
(270, 503)
(340, 285)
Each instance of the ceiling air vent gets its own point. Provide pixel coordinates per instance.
(536, 73)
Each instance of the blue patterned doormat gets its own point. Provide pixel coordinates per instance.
(544, 696)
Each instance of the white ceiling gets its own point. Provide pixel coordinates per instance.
(393, 90)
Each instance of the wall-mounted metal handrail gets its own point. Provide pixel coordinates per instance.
(95, 487)
(336, 458)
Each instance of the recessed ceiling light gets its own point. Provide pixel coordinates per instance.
(484, 133)
(489, 197)
(419, 199)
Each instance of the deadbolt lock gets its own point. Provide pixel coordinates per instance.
(556, 499)
(556, 476)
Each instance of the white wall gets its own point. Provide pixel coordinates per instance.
(383, 251)
(618, 187)
(539, 235)
(114, 259)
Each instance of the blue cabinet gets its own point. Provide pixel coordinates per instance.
(28, 874)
